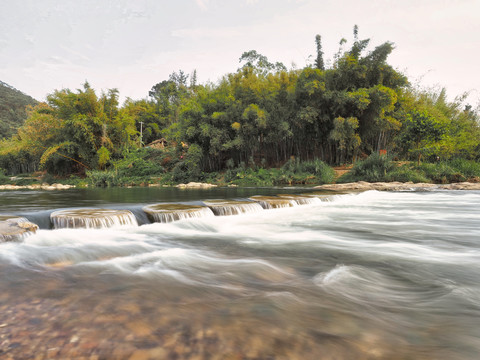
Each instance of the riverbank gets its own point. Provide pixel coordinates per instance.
(397, 186)
(353, 186)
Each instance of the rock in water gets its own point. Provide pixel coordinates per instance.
(196, 185)
(301, 199)
(173, 212)
(274, 202)
(231, 207)
(15, 228)
(92, 218)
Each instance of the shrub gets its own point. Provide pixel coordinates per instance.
(102, 178)
(374, 168)
(4, 179)
(48, 178)
(180, 173)
(137, 164)
(313, 171)
(293, 172)
(193, 160)
(441, 173)
(468, 168)
(406, 174)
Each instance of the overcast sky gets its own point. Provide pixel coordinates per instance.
(134, 44)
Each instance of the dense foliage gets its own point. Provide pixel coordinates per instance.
(249, 124)
(13, 105)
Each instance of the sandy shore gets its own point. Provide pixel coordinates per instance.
(395, 186)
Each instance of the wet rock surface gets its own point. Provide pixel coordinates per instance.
(173, 212)
(91, 218)
(273, 202)
(232, 207)
(15, 228)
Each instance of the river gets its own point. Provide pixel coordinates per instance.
(372, 275)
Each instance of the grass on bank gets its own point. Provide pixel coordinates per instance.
(149, 166)
(377, 168)
(294, 172)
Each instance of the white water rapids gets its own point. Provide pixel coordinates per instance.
(374, 275)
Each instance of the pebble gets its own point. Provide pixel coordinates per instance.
(74, 339)
(134, 327)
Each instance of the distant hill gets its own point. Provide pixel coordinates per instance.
(12, 109)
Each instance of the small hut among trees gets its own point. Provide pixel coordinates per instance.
(158, 144)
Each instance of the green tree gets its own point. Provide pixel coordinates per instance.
(319, 63)
(344, 133)
(421, 133)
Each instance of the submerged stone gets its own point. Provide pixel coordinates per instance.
(173, 212)
(15, 228)
(232, 207)
(273, 202)
(92, 218)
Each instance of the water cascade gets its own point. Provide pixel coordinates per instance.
(15, 228)
(231, 207)
(92, 218)
(274, 202)
(302, 199)
(164, 213)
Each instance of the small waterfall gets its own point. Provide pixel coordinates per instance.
(273, 202)
(92, 218)
(164, 213)
(15, 228)
(302, 199)
(322, 196)
(226, 207)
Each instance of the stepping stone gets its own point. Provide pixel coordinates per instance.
(92, 218)
(164, 213)
(273, 202)
(231, 207)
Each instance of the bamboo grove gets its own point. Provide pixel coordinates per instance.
(351, 106)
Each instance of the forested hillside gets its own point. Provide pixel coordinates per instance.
(12, 109)
(263, 115)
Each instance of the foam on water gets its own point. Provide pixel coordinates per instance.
(73, 246)
(333, 226)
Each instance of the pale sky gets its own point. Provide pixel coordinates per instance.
(134, 44)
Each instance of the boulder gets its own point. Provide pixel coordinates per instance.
(15, 228)
(92, 218)
(173, 212)
(196, 185)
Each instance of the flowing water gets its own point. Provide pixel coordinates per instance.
(373, 275)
